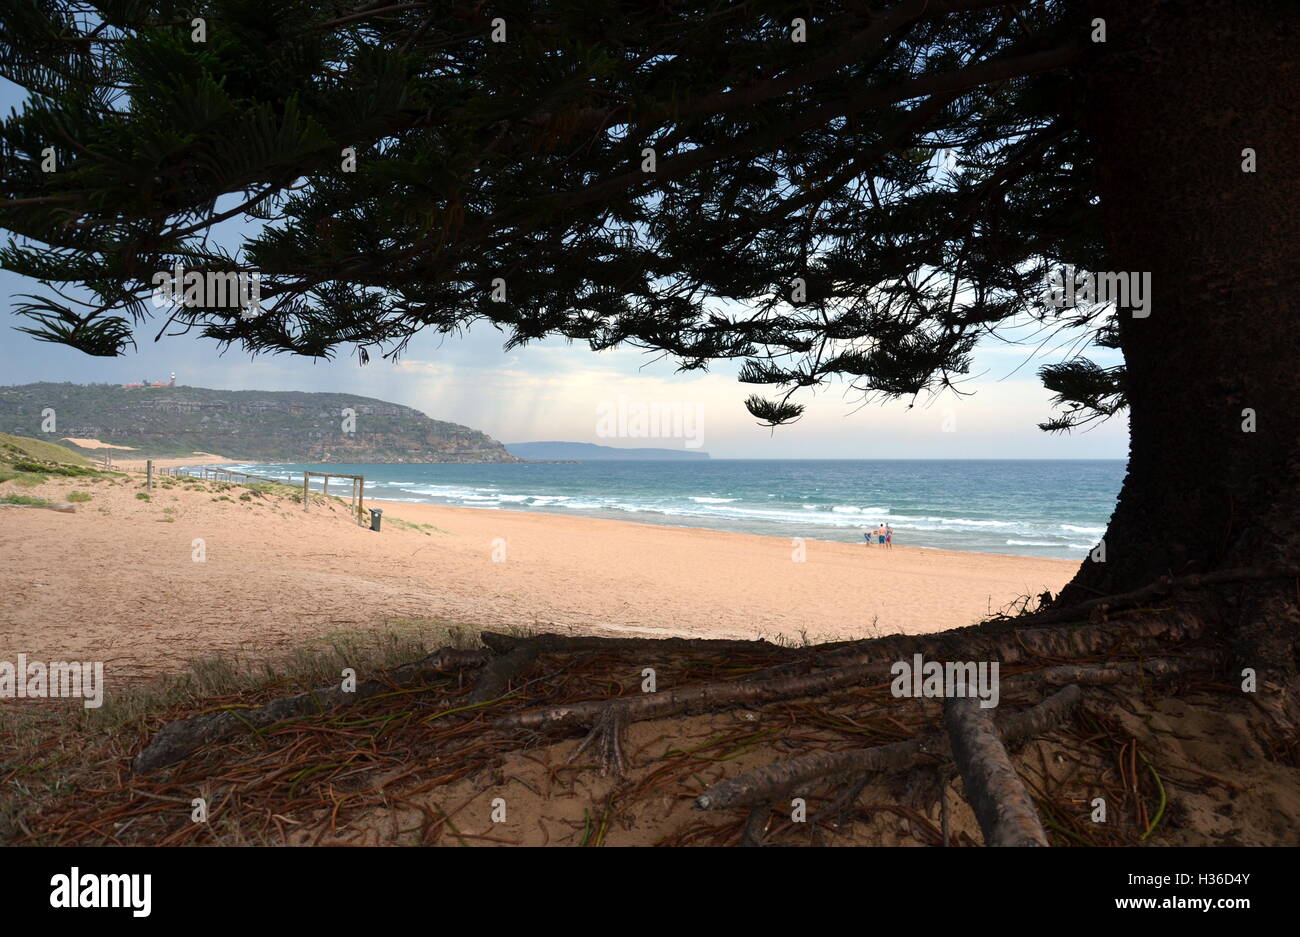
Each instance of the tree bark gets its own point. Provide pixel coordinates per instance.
(1177, 92)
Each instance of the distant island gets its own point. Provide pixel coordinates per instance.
(149, 420)
(590, 452)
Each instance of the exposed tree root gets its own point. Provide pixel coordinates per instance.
(495, 677)
(558, 644)
(860, 664)
(845, 702)
(869, 660)
(756, 825)
(1097, 675)
(777, 780)
(606, 737)
(837, 812)
(176, 740)
(1101, 652)
(1008, 641)
(995, 792)
(519, 653)
(608, 717)
(1011, 643)
(706, 697)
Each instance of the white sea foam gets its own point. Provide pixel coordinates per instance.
(818, 512)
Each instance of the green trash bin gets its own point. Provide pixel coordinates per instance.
(376, 515)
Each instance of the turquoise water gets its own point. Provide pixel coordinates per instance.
(1032, 508)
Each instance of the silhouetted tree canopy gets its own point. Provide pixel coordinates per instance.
(864, 204)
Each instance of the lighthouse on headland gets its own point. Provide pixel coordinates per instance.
(171, 383)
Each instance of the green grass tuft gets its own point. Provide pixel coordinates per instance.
(52, 751)
(49, 468)
(21, 499)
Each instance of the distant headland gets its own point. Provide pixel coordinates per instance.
(159, 419)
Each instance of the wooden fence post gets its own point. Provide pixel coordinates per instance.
(148, 474)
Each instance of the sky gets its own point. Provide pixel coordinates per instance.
(554, 390)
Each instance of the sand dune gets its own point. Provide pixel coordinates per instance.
(198, 458)
(118, 580)
(93, 443)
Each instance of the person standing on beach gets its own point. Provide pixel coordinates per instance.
(889, 538)
(880, 534)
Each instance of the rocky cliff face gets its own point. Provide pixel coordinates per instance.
(266, 426)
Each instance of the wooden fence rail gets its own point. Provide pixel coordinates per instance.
(357, 496)
(216, 474)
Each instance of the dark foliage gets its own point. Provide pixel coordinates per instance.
(862, 205)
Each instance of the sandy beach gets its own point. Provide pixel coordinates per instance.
(120, 580)
(213, 570)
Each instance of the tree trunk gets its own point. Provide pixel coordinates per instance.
(1176, 93)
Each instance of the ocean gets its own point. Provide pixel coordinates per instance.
(1029, 508)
